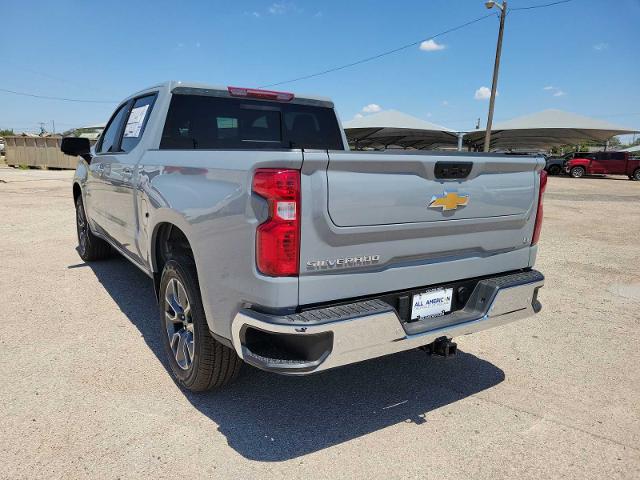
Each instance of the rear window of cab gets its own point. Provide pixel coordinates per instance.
(208, 122)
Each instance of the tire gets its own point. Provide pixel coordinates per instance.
(90, 247)
(577, 172)
(198, 361)
(636, 175)
(554, 170)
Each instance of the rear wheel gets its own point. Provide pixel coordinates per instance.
(198, 361)
(554, 170)
(577, 172)
(90, 247)
(636, 175)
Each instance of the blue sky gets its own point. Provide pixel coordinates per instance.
(583, 56)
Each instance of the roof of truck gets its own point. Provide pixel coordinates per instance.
(172, 84)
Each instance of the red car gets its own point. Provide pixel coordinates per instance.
(599, 163)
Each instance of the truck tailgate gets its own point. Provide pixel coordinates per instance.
(368, 227)
(374, 189)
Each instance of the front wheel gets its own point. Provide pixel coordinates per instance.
(198, 361)
(90, 247)
(636, 175)
(577, 172)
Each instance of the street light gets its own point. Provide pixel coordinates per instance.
(496, 66)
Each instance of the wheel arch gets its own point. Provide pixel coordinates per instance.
(168, 240)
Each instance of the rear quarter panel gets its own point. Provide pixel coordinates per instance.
(207, 194)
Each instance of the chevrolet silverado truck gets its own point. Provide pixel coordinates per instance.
(270, 243)
(603, 163)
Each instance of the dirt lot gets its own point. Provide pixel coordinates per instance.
(84, 391)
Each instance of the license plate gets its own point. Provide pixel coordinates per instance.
(433, 303)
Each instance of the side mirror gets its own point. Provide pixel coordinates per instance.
(76, 146)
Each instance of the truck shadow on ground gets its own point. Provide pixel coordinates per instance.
(269, 417)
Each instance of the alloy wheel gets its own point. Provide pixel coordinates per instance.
(81, 224)
(179, 323)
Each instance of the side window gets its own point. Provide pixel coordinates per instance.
(617, 156)
(110, 136)
(136, 122)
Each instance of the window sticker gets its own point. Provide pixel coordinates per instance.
(135, 122)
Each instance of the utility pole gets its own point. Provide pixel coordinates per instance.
(496, 67)
(53, 126)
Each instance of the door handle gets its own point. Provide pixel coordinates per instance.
(126, 171)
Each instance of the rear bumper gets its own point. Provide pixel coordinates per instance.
(329, 337)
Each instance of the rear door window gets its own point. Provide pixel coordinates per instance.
(207, 122)
(136, 122)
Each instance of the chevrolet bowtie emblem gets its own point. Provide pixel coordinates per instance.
(448, 201)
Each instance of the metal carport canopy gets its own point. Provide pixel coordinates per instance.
(391, 127)
(546, 129)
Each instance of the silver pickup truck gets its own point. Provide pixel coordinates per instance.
(270, 243)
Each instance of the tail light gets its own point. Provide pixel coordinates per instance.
(539, 214)
(278, 238)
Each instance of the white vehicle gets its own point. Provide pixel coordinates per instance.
(271, 243)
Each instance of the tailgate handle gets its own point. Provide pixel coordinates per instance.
(453, 169)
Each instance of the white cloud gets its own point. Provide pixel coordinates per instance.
(197, 44)
(483, 93)
(256, 14)
(318, 14)
(555, 91)
(277, 8)
(431, 46)
(371, 108)
(280, 8)
(445, 103)
(358, 115)
(600, 46)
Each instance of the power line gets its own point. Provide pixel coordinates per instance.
(65, 99)
(317, 74)
(379, 55)
(404, 47)
(531, 7)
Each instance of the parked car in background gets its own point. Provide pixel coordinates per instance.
(604, 163)
(555, 164)
(2, 146)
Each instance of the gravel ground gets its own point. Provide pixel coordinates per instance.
(84, 390)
